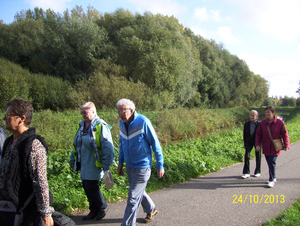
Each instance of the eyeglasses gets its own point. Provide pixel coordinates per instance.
(85, 112)
(123, 112)
(10, 114)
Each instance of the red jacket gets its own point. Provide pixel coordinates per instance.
(277, 129)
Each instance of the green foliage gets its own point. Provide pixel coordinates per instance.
(292, 125)
(13, 82)
(44, 92)
(167, 64)
(288, 101)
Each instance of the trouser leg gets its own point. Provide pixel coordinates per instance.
(94, 195)
(271, 160)
(246, 169)
(138, 179)
(258, 162)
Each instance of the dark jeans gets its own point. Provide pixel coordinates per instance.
(94, 195)
(271, 160)
(246, 169)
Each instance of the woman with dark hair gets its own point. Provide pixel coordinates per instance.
(23, 171)
(277, 131)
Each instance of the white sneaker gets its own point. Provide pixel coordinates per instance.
(271, 184)
(245, 176)
(257, 175)
(275, 180)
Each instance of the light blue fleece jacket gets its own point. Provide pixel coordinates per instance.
(137, 143)
(86, 147)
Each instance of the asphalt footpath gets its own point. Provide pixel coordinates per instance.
(221, 198)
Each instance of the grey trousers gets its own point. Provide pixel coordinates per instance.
(138, 179)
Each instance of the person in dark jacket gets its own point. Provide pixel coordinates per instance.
(23, 167)
(249, 133)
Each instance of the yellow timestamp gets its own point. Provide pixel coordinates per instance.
(258, 199)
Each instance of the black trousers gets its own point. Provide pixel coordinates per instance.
(94, 195)
(246, 169)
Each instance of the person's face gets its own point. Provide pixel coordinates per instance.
(253, 116)
(124, 113)
(269, 114)
(12, 120)
(87, 114)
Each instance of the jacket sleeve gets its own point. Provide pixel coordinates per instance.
(244, 134)
(72, 158)
(259, 135)
(121, 153)
(151, 137)
(285, 136)
(107, 147)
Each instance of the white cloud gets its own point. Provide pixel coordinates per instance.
(201, 14)
(165, 7)
(283, 74)
(202, 32)
(298, 48)
(56, 5)
(226, 35)
(275, 18)
(223, 35)
(281, 20)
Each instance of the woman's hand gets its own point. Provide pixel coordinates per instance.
(257, 148)
(48, 221)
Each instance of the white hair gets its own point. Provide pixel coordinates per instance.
(127, 103)
(254, 112)
(89, 106)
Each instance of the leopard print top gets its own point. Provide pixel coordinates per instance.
(38, 175)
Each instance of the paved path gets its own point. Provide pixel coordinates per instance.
(209, 200)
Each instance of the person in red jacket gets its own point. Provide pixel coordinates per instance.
(278, 131)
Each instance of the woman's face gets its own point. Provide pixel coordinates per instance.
(87, 114)
(269, 114)
(12, 120)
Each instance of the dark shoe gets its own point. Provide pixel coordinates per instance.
(90, 216)
(151, 215)
(101, 214)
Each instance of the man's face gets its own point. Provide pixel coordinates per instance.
(252, 116)
(124, 113)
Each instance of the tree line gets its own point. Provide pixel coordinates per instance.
(152, 59)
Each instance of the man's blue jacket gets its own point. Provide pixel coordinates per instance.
(137, 143)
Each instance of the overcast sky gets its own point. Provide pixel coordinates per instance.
(264, 33)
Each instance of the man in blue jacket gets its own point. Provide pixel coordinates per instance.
(137, 140)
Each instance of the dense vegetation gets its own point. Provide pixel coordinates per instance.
(101, 58)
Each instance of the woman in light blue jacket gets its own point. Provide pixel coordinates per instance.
(93, 152)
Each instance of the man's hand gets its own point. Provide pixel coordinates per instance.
(120, 170)
(72, 166)
(160, 173)
(257, 148)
